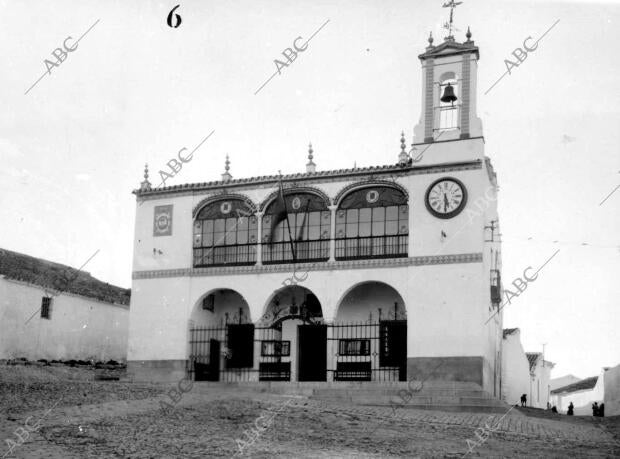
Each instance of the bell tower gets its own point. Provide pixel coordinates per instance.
(449, 83)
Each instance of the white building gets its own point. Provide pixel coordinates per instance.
(397, 266)
(540, 380)
(582, 394)
(562, 381)
(515, 368)
(55, 312)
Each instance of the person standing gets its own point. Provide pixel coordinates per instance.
(571, 407)
(595, 409)
(523, 400)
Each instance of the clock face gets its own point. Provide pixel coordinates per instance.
(446, 198)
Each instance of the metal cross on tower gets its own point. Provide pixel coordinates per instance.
(449, 25)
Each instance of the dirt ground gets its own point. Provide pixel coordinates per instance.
(61, 412)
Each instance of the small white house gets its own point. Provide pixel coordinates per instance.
(540, 380)
(515, 367)
(582, 394)
(562, 381)
(55, 312)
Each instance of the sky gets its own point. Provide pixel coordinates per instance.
(137, 91)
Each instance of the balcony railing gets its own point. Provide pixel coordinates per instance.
(281, 252)
(496, 286)
(235, 255)
(372, 247)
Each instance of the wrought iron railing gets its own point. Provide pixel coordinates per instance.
(372, 247)
(364, 351)
(368, 351)
(282, 252)
(232, 255)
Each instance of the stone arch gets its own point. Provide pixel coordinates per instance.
(370, 297)
(290, 301)
(360, 185)
(306, 189)
(448, 76)
(219, 306)
(222, 197)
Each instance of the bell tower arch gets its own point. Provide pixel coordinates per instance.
(449, 82)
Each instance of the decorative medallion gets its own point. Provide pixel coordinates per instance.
(296, 203)
(162, 221)
(225, 207)
(372, 196)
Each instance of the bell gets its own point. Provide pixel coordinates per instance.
(448, 94)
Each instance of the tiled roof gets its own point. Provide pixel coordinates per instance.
(58, 277)
(532, 358)
(509, 331)
(584, 384)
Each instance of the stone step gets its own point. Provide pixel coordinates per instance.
(416, 400)
(366, 385)
(457, 408)
(395, 392)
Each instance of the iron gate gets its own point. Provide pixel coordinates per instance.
(364, 351)
(227, 353)
(371, 351)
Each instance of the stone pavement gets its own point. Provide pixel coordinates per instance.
(374, 420)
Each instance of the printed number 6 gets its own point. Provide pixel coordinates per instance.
(177, 17)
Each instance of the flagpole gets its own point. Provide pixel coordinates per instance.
(288, 223)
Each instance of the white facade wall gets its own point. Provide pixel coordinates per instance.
(540, 385)
(515, 369)
(612, 391)
(80, 328)
(449, 300)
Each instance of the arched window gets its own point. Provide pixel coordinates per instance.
(225, 233)
(372, 222)
(309, 221)
(449, 91)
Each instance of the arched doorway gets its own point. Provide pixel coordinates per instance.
(293, 337)
(369, 336)
(221, 338)
(371, 300)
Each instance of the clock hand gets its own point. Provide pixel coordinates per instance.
(445, 202)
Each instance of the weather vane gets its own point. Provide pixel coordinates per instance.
(451, 4)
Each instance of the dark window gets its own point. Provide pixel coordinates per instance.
(46, 307)
(208, 303)
(309, 220)
(354, 347)
(225, 233)
(275, 348)
(372, 223)
(241, 346)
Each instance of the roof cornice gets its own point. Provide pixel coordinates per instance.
(313, 177)
(450, 48)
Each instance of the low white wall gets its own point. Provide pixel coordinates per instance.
(79, 328)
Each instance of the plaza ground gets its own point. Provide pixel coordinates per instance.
(83, 418)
